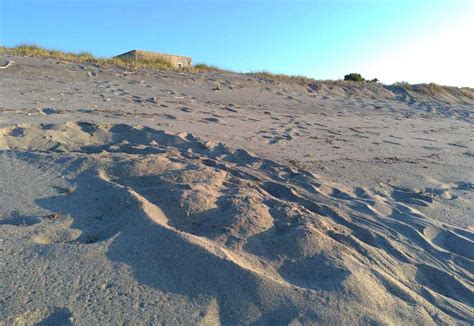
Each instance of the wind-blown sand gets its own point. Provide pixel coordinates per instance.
(149, 198)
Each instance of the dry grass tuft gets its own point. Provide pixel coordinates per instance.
(403, 84)
(205, 67)
(271, 77)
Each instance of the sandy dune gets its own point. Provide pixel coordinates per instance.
(142, 209)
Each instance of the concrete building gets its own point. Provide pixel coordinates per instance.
(177, 61)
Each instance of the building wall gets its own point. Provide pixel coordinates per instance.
(176, 60)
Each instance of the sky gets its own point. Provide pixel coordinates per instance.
(417, 41)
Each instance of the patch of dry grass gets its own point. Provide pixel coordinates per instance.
(403, 84)
(82, 57)
(205, 67)
(37, 51)
(153, 63)
(268, 76)
(158, 63)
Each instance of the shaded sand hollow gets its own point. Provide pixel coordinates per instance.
(142, 209)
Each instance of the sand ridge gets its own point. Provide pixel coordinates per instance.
(258, 241)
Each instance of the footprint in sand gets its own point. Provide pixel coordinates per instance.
(457, 145)
(391, 142)
(215, 120)
(49, 111)
(230, 109)
(170, 117)
(137, 99)
(409, 196)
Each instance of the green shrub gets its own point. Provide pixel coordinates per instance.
(354, 77)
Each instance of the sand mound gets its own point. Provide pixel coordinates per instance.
(248, 239)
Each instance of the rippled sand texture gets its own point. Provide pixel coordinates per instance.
(111, 222)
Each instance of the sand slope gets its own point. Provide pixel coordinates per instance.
(160, 227)
(150, 197)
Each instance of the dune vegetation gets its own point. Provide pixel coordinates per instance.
(352, 79)
(37, 51)
(206, 67)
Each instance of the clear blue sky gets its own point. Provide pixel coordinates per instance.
(393, 40)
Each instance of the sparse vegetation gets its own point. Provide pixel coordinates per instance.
(403, 84)
(164, 64)
(280, 77)
(435, 90)
(34, 50)
(135, 64)
(205, 67)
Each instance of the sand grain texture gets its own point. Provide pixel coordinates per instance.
(331, 212)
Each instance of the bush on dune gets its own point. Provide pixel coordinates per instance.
(354, 77)
(358, 78)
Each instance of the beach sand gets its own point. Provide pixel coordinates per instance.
(155, 197)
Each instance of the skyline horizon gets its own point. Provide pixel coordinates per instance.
(417, 42)
(369, 80)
